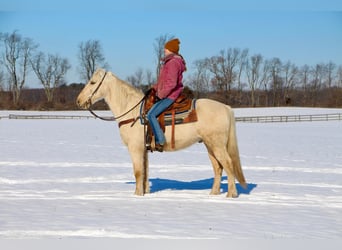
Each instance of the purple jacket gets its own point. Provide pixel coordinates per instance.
(169, 83)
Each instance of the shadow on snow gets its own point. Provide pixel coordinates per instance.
(158, 184)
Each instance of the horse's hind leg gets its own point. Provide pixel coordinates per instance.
(222, 156)
(217, 174)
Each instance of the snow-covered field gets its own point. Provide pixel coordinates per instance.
(74, 179)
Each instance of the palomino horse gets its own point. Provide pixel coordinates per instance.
(215, 127)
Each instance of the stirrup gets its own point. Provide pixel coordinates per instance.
(148, 142)
(148, 147)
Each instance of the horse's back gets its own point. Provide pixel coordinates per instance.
(211, 111)
(212, 119)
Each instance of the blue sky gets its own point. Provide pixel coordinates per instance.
(304, 32)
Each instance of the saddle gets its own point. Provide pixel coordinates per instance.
(183, 110)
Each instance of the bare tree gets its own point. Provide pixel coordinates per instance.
(241, 68)
(223, 68)
(2, 80)
(159, 49)
(16, 59)
(90, 57)
(276, 81)
(136, 79)
(149, 77)
(50, 72)
(318, 75)
(200, 80)
(290, 77)
(254, 76)
(304, 78)
(227, 61)
(330, 67)
(265, 80)
(339, 77)
(212, 64)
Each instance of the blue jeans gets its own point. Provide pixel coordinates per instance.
(152, 115)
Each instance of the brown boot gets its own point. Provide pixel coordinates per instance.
(159, 147)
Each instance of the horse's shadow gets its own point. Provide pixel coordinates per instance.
(158, 184)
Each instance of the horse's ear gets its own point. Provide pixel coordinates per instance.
(99, 73)
(96, 76)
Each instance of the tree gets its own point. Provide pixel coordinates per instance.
(265, 79)
(2, 80)
(339, 77)
(242, 61)
(330, 67)
(254, 76)
(141, 79)
(304, 78)
(91, 57)
(159, 49)
(223, 68)
(318, 74)
(149, 77)
(276, 81)
(50, 72)
(136, 79)
(16, 59)
(290, 77)
(200, 79)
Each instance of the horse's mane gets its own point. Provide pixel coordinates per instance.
(126, 92)
(127, 87)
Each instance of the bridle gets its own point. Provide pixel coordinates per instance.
(112, 118)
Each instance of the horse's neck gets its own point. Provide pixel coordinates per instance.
(121, 97)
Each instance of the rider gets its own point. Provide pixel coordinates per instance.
(168, 88)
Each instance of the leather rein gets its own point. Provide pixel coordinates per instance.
(113, 118)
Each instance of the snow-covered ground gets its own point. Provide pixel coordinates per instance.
(74, 179)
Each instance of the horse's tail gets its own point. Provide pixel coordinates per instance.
(233, 150)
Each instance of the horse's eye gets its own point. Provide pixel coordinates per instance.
(92, 82)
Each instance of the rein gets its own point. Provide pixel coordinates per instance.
(112, 118)
(118, 117)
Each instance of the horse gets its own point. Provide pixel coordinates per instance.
(215, 128)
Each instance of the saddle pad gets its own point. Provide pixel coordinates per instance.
(179, 117)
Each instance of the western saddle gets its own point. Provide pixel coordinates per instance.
(182, 111)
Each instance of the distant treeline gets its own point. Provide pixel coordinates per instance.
(35, 99)
(65, 98)
(233, 76)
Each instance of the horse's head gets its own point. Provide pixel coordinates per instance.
(92, 91)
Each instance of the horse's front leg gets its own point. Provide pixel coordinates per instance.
(146, 173)
(140, 168)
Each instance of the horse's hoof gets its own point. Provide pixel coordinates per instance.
(232, 195)
(214, 193)
(139, 193)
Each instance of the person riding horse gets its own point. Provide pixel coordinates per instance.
(168, 88)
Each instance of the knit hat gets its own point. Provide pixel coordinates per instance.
(173, 45)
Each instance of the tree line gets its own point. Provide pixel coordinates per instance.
(233, 76)
(19, 55)
(253, 80)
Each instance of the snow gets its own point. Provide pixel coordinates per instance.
(73, 179)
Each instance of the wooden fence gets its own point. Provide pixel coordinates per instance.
(251, 119)
(291, 118)
(40, 117)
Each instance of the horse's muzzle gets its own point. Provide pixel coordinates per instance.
(83, 105)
